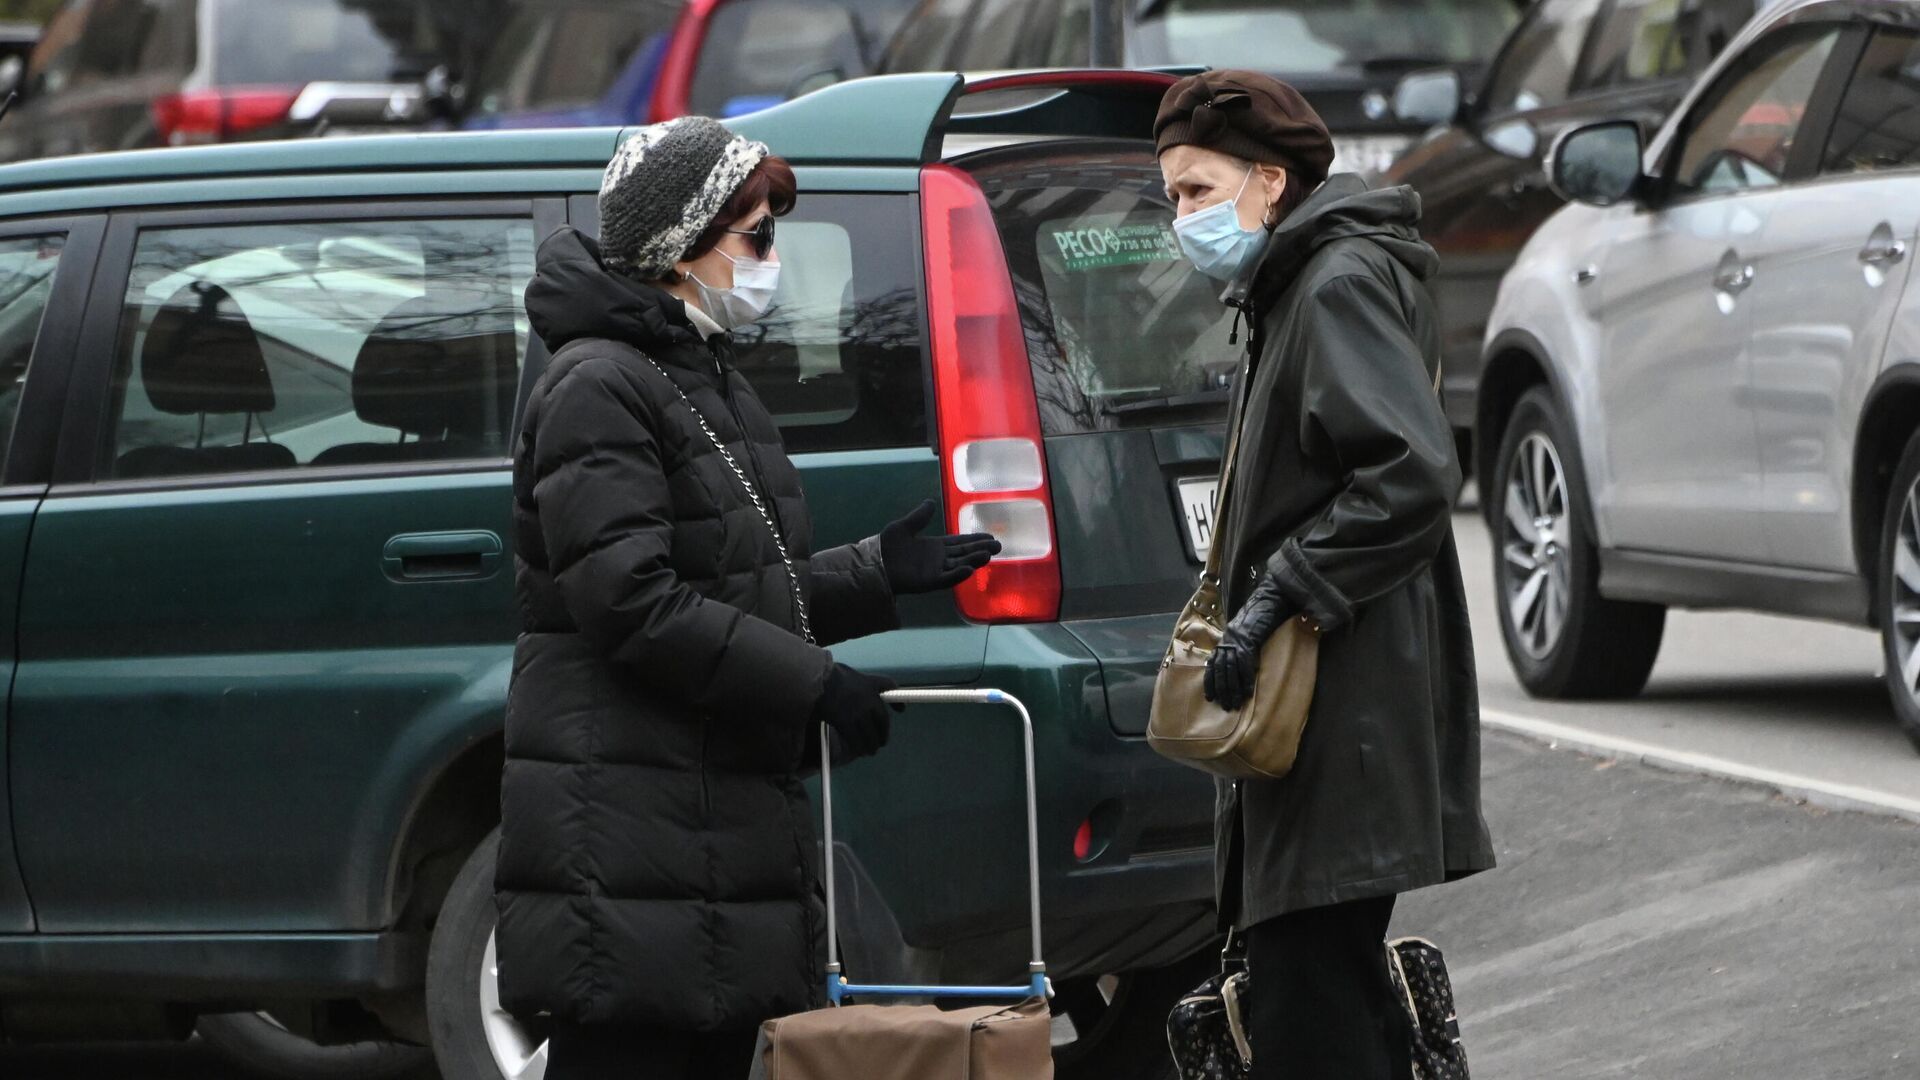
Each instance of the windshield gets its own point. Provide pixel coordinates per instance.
(288, 42)
(1320, 36)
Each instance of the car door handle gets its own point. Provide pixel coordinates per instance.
(1734, 280)
(1883, 252)
(442, 556)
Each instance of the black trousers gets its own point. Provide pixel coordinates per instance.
(1322, 1006)
(575, 1052)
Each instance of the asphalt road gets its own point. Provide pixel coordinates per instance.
(1642, 923)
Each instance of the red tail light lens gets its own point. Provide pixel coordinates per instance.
(209, 116)
(990, 442)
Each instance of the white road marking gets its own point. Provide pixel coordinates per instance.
(1821, 793)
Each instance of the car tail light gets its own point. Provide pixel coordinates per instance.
(996, 477)
(209, 116)
(673, 92)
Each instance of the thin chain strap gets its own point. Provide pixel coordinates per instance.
(779, 542)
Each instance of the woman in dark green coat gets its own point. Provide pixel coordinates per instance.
(1340, 510)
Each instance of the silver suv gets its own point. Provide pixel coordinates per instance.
(1702, 379)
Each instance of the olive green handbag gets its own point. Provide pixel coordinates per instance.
(1260, 739)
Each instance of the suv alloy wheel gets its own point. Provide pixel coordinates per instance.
(1565, 639)
(1900, 604)
(474, 1038)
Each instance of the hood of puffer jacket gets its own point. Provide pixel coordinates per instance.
(1343, 208)
(573, 295)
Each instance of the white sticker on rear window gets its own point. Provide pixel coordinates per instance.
(1117, 245)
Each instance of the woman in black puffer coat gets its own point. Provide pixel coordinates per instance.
(657, 880)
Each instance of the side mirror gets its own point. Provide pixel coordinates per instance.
(1598, 164)
(1516, 138)
(13, 76)
(1428, 97)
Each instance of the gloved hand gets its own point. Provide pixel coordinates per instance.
(851, 705)
(1230, 674)
(920, 564)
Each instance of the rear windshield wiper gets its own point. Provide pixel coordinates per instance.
(1131, 406)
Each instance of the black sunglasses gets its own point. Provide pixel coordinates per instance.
(762, 233)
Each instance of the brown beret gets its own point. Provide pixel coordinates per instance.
(1249, 115)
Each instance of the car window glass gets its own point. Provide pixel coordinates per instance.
(1072, 44)
(26, 280)
(1320, 36)
(50, 70)
(117, 32)
(261, 347)
(1879, 122)
(559, 57)
(756, 52)
(994, 34)
(837, 358)
(925, 42)
(281, 42)
(1537, 66)
(1640, 41)
(1742, 134)
(1121, 330)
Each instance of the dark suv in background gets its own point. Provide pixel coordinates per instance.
(1482, 185)
(1345, 56)
(122, 74)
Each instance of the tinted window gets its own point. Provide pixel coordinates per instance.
(1538, 64)
(1640, 41)
(993, 36)
(552, 58)
(1742, 135)
(756, 52)
(926, 41)
(1120, 328)
(51, 68)
(1879, 122)
(1072, 44)
(1307, 36)
(301, 41)
(837, 358)
(118, 32)
(259, 347)
(26, 279)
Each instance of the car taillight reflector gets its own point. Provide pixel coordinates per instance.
(989, 418)
(207, 116)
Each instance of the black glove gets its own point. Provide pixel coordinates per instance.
(851, 704)
(921, 564)
(1230, 674)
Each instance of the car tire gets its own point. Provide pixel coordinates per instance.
(258, 1044)
(473, 1037)
(1900, 590)
(1120, 1022)
(1565, 640)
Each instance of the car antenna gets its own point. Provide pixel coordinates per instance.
(7, 105)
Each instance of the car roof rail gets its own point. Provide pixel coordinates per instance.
(905, 119)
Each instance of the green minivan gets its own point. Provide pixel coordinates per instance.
(256, 405)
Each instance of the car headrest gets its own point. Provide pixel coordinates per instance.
(202, 356)
(434, 372)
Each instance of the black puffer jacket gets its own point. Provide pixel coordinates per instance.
(1343, 491)
(657, 854)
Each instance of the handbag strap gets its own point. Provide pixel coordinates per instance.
(753, 494)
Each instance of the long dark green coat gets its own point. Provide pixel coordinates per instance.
(1344, 492)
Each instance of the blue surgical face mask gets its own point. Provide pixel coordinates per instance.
(1215, 240)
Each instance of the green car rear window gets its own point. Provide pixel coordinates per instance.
(1121, 330)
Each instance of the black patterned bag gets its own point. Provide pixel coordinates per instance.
(1205, 1032)
(1420, 975)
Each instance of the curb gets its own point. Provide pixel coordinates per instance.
(1806, 789)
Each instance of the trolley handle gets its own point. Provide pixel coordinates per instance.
(1037, 985)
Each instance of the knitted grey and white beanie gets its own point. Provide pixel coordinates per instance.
(664, 187)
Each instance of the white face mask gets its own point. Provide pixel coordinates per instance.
(1214, 238)
(754, 283)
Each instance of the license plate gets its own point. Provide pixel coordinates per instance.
(1198, 498)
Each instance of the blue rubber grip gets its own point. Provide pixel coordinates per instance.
(838, 988)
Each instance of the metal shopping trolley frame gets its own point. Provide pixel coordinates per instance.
(1037, 985)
